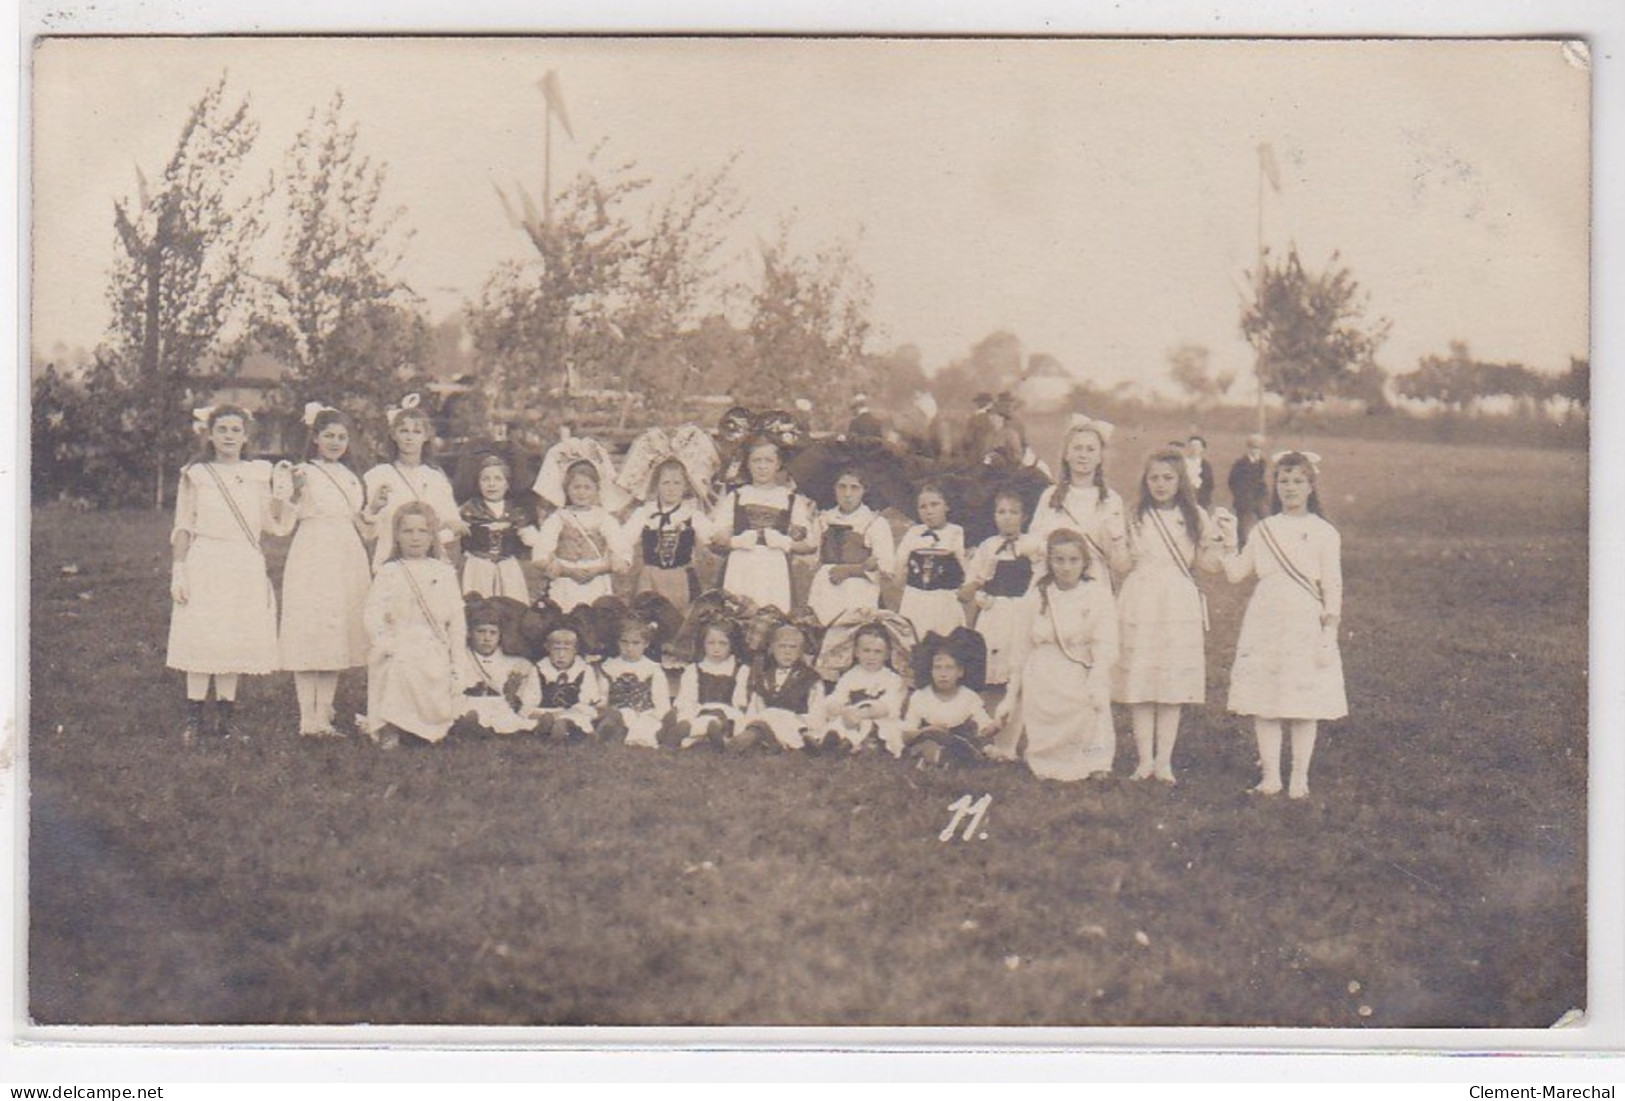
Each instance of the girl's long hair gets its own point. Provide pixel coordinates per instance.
(417, 508)
(1184, 496)
(393, 450)
(1056, 539)
(205, 452)
(1295, 460)
(324, 419)
(1063, 478)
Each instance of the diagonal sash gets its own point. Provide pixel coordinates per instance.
(423, 606)
(1179, 560)
(231, 503)
(1290, 568)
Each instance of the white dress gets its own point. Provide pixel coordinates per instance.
(1069, 729)
(933, 566)
(1162, 655)
(1003, 566)
(419, 642)
(1285, 667)
(485, 691)
(410, 483)
(575, 536)
(1100, 522)
(228, 623)
(325, 580)
(759, 522)
(863, 527)
(884, 692)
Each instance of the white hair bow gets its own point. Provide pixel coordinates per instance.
(408, 403)
(314, 409)
(1314, 459)
(1079, 421)
(202, 413)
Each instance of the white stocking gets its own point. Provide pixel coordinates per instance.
(1303, 749)
(1167, 735)
(1269, 752)
(1145, 729)
(225, 686)
(197, 686)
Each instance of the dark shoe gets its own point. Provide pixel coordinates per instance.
(193, 729)
(225, 722)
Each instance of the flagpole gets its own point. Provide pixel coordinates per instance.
(547, 164)
(1258, 293)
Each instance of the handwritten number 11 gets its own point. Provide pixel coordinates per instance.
(962, 807)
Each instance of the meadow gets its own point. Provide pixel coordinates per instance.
(1435, 878)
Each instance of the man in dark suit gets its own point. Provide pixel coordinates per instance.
(1249, 487)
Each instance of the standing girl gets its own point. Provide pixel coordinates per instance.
(1001, 572)
(325, 581)
(671, 474)
(1079, 500)
(760, 524)
(1162, 613)
(497, 530)
(1288, 668)
(1060, 684)
(932, 557)
(409, 475)
(415, 619)
(581, 546)
(855, 548)
(224, 619)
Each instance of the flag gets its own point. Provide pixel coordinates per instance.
(554, 95)
(141, 187)
(1266, 162)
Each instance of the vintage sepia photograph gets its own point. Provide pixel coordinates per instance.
(729, 532)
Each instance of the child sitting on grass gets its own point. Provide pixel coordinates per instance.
(637, 694)
(786, 695)
(865, 708)
(713, 692)
(946, 721)
(499, 690)
(571, 692)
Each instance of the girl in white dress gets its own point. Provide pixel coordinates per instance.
(931, 557)
(759, 525)
(224, 620)
(416, 622)
(855, 549)
(1079, 500)
(325, 580)
(1161, 612)
(410, 475)
(866, 706)
(1288, 668)
(946, 721)
(1060, 687)
(581, 546)
(1001, 571)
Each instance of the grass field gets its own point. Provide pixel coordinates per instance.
(1436, 878)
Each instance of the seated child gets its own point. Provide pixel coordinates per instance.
(866, 706)
(946, 721)
(637, 694)
(572, 694)
(713, 692)
(786, 695)
(499, 689)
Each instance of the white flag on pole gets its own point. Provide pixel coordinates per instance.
(1266, 161)
(554, 95)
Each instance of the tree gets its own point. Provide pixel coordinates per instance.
(334, 311)
(1188, 366)
(1458, 380)
(607, 297)
(809, 324)
(177, 285)
(1575, 383)
(1309, 330)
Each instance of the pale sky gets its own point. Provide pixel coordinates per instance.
(1097, 198)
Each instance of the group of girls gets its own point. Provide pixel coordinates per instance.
(1071, 605)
